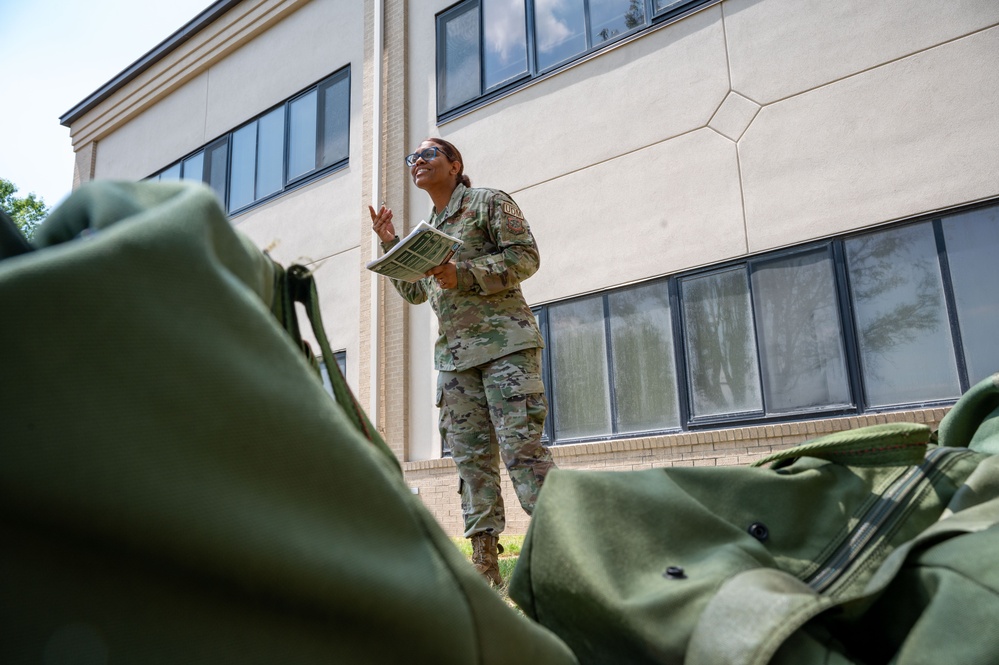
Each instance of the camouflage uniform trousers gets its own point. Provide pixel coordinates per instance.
(492, 411)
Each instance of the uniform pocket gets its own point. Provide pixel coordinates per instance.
(522, 386)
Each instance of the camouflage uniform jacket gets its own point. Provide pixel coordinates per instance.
(485, 317)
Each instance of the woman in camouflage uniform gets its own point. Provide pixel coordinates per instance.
(488, 352)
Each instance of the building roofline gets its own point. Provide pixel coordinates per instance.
(163, 49)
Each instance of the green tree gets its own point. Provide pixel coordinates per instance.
(27, 212)
(636, 14)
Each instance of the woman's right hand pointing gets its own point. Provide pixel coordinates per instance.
(381, 223)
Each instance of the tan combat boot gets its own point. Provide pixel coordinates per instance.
(485, 556)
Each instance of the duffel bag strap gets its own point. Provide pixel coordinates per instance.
(301, 288)
(894, 444)
(12, 242)
(974, 420)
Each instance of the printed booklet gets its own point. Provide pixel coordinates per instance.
(424, 248)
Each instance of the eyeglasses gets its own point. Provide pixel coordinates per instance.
(427, 154)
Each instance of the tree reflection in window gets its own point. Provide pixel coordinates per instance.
(645, 382)
(906, 350)
(461, 58)
(801, 340)
(972, 247)
(579, 368)
(610, 18)
(721, 346)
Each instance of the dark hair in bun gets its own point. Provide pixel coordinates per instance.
(453, 155)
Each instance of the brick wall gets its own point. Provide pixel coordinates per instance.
(392, 333)
(436, 481)
(84, 164)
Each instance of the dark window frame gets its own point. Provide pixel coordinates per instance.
(936, 220)
(341, 360)
(652, 20)
(225, 143)
(835, 249)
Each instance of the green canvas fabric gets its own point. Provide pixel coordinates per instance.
(877, 545)
(176, 486)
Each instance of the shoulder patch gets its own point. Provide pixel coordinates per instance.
(511, 209)
(515, 225)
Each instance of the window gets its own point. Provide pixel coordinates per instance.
(194, 167)
(579, 369)
(242, 176)
(801, 339)
(460, 44)
(903, 329)
(257, 160)
(722, 371)
(765, 337)
(486, 46)
(972, 241)
(216, 160)
(172, 173)
(504, 28)
(302, 130)
(290, 144)
(644, 367)
(191, 168)
(611, 362)
(341, 362)
(561, 31)
(899, 317)
(610, 18)
(334, 116)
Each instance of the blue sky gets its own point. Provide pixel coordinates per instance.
(54, 54)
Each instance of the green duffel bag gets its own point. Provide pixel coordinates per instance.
(176, 485)
(877, 545)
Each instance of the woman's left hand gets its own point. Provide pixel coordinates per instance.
(446, 275)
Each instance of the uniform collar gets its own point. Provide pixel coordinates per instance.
(453, 205)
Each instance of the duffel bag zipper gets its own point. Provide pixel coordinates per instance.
(879, 522)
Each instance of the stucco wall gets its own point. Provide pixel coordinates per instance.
(293, 53)
(306, 227)
(157, 137)
(315, 225)
(745, 127)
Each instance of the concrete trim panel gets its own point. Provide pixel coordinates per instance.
(157, 137)
(215, 42)
(301, 226)
(308, 45)
(781, 48)
(339, 285)
(661, 85)
(915, 135)
(733, 117)
(669, 207)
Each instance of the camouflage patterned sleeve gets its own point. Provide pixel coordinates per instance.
(413, 292)
(518, 257)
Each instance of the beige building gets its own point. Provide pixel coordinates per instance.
(760, 220)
